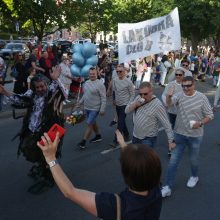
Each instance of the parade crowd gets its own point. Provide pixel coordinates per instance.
(44, 83)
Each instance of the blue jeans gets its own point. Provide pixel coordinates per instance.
(193, 144)
(149, 141)
(91, 116)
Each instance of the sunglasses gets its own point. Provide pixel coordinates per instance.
(186, 65)
(119, 71)
(178, 74)
(187, 86)
(140, 94)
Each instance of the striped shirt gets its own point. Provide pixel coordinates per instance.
(124, 91)
(189, 108)
(147, 119)
(178, 88)
(94, 97)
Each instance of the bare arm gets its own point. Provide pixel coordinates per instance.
(5, 92)
(33, 64)
(83, 198)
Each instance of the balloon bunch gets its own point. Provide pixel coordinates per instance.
(84, 57)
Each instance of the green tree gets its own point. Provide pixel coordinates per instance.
(94, 16)
(41, 17)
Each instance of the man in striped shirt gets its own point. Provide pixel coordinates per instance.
(171, 110)
(148, 112)
(123, 93)
(193, 111)
(94, 100)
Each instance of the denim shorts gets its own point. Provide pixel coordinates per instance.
(91, 116)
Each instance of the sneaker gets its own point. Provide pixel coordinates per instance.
(82, 144)
(67, 100)
(97, 138)
(192, 181)
(165, 191)
(64, 103)
(112, 123)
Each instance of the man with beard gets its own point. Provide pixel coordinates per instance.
(44, 108)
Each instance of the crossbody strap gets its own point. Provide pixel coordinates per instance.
(118, 204)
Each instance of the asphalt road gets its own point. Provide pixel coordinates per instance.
(97, 170)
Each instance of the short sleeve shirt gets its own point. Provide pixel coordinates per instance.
(133, 206)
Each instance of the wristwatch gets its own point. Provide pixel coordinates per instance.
(53, 163)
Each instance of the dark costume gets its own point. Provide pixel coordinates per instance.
(20, 85)
(42, 112)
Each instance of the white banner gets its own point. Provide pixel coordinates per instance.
(138, 40)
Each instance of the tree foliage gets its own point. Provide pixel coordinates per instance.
(40, 17)
(199, 19)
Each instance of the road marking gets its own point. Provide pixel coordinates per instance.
(118, 146)
(113, 148)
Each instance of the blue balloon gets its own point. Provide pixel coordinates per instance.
(93, 60)
(85, 70)
(88, 49)
(78, 59)
(77, 48)
(75, 70)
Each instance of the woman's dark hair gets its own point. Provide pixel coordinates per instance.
(140, 167)
(16, 57)
(164, 58)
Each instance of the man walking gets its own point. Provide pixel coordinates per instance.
(94, 100)
(148, 112)
(123, 93)
(193, 112)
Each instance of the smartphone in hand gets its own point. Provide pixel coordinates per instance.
(52, 132)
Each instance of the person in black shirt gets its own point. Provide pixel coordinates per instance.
(20, 85)
(141, 170)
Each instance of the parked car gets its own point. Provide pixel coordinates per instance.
(2, 43)
(65, 45)
(11, 49)
(81, 41)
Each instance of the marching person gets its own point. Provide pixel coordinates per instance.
(171, 110)
(148, 111)
(44, 108)
(193, 112)
(94, 101)
(123, 93)
(65, 75)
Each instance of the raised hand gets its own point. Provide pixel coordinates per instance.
(55, 73)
